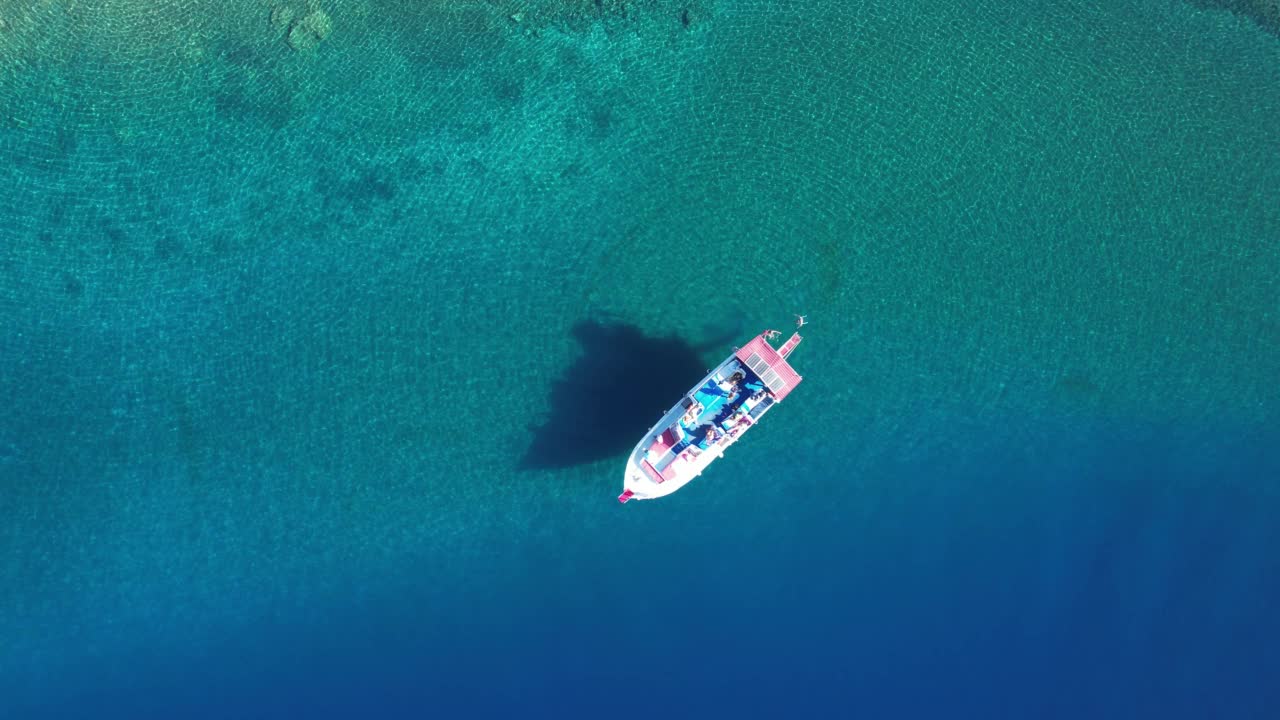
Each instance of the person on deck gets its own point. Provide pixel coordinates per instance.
(695, 449)
(732, 386)
(710, 438)
(736, 423)
(733, 382)
(691, 415)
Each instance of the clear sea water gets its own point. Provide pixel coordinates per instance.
(319, 365)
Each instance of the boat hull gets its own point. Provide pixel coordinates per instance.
(639, 480)
(708, 419)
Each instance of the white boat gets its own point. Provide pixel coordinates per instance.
(710, 418)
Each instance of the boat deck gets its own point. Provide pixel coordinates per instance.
(682, 447)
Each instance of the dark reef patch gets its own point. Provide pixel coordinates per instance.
(1266, 13)
(1077, 387)
(365, 189)
(601, 120)
(250, 89)
(509, 90)
(167, 248)
(71, 285)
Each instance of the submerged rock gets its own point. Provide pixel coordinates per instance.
(309, 30)
(281, 16)
(1266, 13)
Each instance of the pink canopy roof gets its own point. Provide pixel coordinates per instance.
(764, 361)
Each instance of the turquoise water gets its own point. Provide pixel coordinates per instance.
(283, 327)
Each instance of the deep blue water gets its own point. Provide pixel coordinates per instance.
(324, 340)
(1122, 582)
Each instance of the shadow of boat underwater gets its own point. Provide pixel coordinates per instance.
(621, 383)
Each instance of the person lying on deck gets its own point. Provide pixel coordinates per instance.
(696, 449)
(733, 382)
(711, 437)
(692, 413)
(732, 386)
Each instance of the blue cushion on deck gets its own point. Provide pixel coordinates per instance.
(711, 387)
(710, 405)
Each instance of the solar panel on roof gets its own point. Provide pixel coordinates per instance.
(771, 378)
